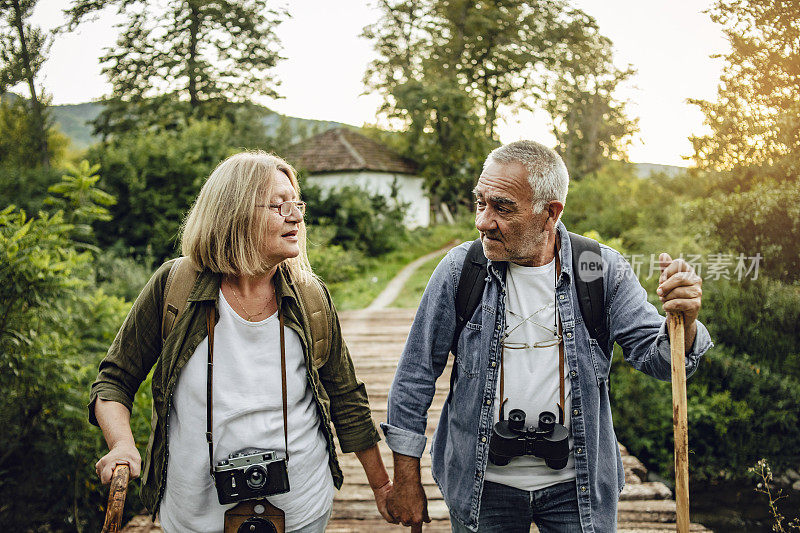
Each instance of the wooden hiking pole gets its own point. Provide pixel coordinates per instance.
(679, 423)
(117, 491)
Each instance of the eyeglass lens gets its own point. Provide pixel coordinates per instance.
(287, 207)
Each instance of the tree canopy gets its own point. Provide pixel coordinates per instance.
(448, 70)
(23, 49)
(193, 59)
(755, 120)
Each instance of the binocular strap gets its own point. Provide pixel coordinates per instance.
(209, 437)
(561, 404)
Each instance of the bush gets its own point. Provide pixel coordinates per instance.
(119, 274)
(332, 262)
(54, 329)
(738, 412)
(758, 317)
(765, 220)
(26, 188)
(370, 223)
(155, 177)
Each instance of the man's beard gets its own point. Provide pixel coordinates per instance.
(512, 255)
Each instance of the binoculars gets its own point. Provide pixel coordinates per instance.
(547, 440)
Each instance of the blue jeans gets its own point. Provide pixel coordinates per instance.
(508, 510)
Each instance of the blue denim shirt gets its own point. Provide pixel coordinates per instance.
(460, 444)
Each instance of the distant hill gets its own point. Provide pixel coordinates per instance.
(74, 121)
(645, 170)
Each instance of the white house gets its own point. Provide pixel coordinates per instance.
(340, 157)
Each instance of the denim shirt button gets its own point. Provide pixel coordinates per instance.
(584, 489)
(494, 364)
(569, 334)
(575, 412)
(573, 374)
(579, 450)
(561, 296)
(488, 401)
(483, 439)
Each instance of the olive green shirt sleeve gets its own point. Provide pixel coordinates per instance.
(350, 410)
(135, 349)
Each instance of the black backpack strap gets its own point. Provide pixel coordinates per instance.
(591, 295)
(469, 292)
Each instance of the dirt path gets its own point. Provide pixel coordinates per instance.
(393, 288)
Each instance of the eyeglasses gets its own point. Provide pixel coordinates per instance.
(547, 343)
(287, 208)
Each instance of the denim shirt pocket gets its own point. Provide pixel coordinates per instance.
(601, 363)
(468, 358)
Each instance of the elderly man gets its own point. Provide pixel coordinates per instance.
(536, 340)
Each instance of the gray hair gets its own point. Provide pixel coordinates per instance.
(547, 173)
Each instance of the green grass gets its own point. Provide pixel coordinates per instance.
(360, 291)
(412, 291)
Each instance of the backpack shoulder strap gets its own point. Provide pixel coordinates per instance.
(470, 288)
(180, 280)
(591, 294)
(318, 310)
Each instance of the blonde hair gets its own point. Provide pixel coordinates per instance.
(224, 230)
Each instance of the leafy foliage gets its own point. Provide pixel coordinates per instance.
(55, 325)
(755, 122)
(192, 60)
(20, 147)
(80, 199)
(756, 317)
(590, 124)
(765, 220)
(23, 49)
(369, 223)
(447, 68)
(738, 413)
(155, 178)
(26, 187)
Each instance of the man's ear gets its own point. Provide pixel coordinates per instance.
(554, 210)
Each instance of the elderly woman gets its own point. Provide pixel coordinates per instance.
(269, 387)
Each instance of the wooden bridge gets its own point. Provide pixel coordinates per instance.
(376, 339)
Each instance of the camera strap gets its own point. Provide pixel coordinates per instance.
(210, 377)
(561, 404)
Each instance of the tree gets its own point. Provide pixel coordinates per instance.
(193, 60)
(754, 144)
(755, 121)
(448, 68)
(22, 51)
(590, 124)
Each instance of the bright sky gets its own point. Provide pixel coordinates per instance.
(669, 43)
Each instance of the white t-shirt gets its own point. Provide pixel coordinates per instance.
(248, 412)
(531, 374)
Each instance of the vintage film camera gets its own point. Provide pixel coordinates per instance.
(251, 473)
(510, 438)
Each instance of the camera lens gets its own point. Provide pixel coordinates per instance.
(257, 525)
(516, 420)
(546, 421)
(256, 477)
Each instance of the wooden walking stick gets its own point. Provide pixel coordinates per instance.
(116, 498)
(679, 423)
